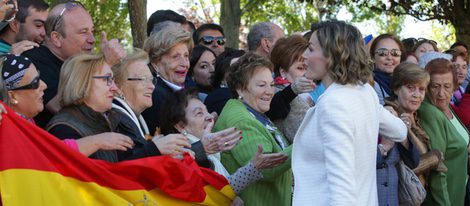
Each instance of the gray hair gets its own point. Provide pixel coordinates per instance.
(259, 31)
(164, 25)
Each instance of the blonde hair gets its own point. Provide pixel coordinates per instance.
(342, 44)
(121, 71)
(76, 76)
(159, 43)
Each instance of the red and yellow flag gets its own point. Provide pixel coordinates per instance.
(38, 169)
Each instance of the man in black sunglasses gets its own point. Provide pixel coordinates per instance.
(69, 31)
(211, 36)
(25, 29)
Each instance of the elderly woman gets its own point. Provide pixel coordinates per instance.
(408, 86)
(252, 82)
(333, 159)
(446, 134)
(24, 91)
(386, 52)
(201, 69)
(136, 85)
(86, 91)
(168, 51)
(288, 66)
(186, 114)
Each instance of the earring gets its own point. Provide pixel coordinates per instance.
(14, 101)
(121, 96)
(240, 97)
(184, 133)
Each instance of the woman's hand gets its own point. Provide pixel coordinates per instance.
(220, 141)
(302, 85)
(113, 141)
(408, 119)
(172, 144)
(391, 110)
(264, 161)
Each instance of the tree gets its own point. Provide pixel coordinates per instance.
(230, 18)
(138, 18)
(455, 12)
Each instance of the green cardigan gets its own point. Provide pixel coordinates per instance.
(445, 188)
(276, 186)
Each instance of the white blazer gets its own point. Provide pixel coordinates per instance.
(335, 148)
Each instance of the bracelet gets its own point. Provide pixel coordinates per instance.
(381, 146)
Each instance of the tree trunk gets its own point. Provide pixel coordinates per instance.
(230, 18)
(462, 29)
(138, 18)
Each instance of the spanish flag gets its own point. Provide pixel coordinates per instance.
(38, 169)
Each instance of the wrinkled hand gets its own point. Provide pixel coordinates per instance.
(172, 144)
(22, 46)
(408, 119)
(237, 202)
(112, 50)
(219, 141)
(387, 144)
(2, 110)
(113, 141)
(264, 161)
(302, 85)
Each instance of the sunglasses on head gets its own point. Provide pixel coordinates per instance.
(207, 40)
(33, 85)
(67, 7)
(386, 52)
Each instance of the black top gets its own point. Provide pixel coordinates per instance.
(280, 104)
(215, 101)
(49, 66)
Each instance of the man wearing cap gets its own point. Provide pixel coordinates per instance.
(69, 31)
(26, 30)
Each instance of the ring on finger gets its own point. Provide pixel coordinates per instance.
(226, 144)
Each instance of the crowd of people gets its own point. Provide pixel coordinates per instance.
(323, 117)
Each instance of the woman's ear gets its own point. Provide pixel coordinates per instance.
(179, 127)
(283, 73)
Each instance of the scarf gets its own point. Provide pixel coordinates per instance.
(383, 79)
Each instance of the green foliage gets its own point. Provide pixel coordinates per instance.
(443, 34)
(110, 16)
(292, 15)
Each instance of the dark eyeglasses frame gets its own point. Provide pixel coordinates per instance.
(67, 6)
(109, 79)
(34, 84)
(386, 52)
(207, 40)
(143, 79)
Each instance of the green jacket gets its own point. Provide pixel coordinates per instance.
(276, 186)
(445, 188)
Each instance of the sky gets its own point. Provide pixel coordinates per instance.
(413, 28)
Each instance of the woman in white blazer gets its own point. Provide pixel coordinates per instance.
(334, 152)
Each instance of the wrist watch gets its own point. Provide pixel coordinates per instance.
(381, 146)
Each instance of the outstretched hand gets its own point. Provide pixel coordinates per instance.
(220, 141)
(264, 161)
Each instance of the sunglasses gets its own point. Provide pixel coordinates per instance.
(386, 52)
(67, 7)
(207, 40)
(109, 79)
(33, 85)
(152, 80)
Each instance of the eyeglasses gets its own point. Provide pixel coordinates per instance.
(33, 85)
(68, 6)
(386, 52)
(207, 40)
(109, 79)
(152, 80)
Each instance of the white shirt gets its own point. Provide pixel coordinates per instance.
(334, 152)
